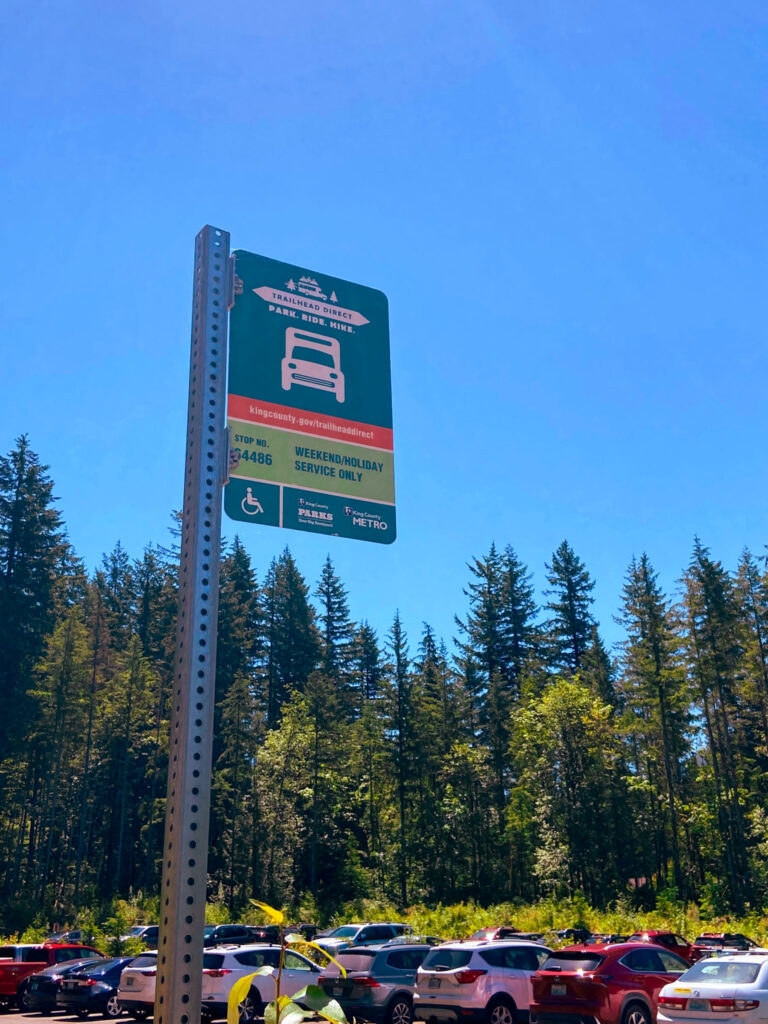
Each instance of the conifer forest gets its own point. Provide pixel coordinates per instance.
(517, 759)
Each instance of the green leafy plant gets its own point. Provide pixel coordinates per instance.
(309, 1003)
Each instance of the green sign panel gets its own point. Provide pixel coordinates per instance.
(309, 403)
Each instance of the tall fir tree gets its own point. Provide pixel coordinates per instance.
(569, 628)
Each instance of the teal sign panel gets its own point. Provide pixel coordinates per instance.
(309, 403)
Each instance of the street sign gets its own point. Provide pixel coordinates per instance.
(309, 403)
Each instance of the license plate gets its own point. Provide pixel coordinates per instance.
(558, 990)
(698, 1004)
(434, 982)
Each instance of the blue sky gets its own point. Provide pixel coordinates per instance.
(565, 203)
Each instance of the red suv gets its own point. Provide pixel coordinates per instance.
(669, 940)
(607, 984)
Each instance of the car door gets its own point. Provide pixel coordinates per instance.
(519, 965)
(297, 972)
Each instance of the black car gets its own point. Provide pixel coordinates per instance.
(93, 989)
(236, 934)
(574, 935)
(40, 990)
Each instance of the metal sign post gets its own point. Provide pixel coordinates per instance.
(185, 853)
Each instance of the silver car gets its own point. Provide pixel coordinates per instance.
(378, 985)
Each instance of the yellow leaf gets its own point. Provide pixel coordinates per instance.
(303, 946)
(237, 993)
(275, 916)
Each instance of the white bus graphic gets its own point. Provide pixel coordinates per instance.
(312, 361)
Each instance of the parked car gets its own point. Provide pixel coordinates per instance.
(265, 933)
(19, 961)
(379, 982)
(40, 991)
(136, 991)
(94, 989)
(148, 933)
(481, 981)
(222, 968)
(717, 942)
(669, 940)
(309, 931)
(228, 934)
(606, 939)
(361, 935)
(611, 984)
(574, 935)
(504, 931)
(76, 935)
(419, 940)
(733, 987)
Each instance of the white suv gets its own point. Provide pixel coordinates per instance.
(136, 993)
(485, 982)
(224, 966)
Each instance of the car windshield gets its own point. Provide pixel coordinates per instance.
(346, 931)
(576, 961)
(209, 929)
(723, 971)
(312, 355)
(136, 930)
(440, 959)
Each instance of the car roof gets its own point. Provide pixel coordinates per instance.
(489, 944)
(378, 947)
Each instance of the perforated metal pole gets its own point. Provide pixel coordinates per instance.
(185, 852)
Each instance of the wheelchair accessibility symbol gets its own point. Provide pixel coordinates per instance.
(250, 505)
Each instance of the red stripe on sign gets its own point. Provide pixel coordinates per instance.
(252, 410)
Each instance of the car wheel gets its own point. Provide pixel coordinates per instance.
(635, 1013)
(113, 1008)
(501, 1011)
(400, 1012)
(250, 1008)
(24, 1003)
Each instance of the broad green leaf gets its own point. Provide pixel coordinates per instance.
(318, 1000)
(237, 993)
(272, 1009)
(287, 1012)
(333, 1012)
(275, 916)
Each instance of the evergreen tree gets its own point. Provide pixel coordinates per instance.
(335, 632)
(32, 548)
(715, 655)
(290, 633)
(569, 629)
(656, 700)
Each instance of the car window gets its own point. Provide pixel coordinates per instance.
(7, 952)
(493, 957)
(521, 959)
(36, 955)
(360, 960)
(576, 961)
(144, 960)
(376, 932)
(645, 961)
(212, 961)
(259, 958)
(295, 963)
(724, 971)
(400, 961)
(440, 959)
(672, 964)
(681, 941)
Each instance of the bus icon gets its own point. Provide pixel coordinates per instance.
(312, 361)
